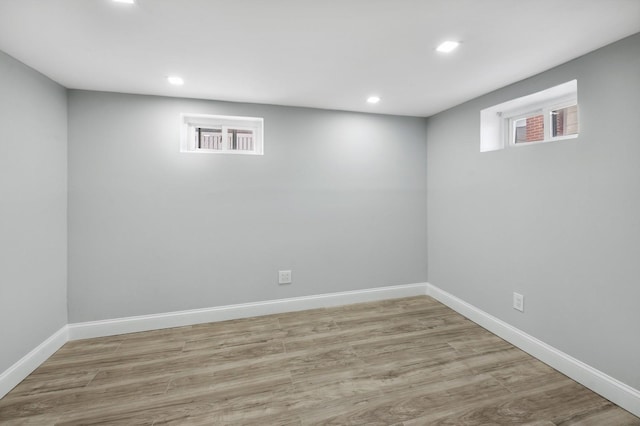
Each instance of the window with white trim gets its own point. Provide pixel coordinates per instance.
(221, 134)
(546, 116)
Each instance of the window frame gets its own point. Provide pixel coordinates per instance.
(190, 123)
(496, 130)
(545, 109)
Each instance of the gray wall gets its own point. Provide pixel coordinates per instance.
(33, 209)
(557, 222)
(338, 197)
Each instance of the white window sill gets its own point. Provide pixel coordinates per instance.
(556, 139)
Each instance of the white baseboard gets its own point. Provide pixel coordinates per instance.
(28, 363)
(21, 369)
(112, 327)
(614, 390)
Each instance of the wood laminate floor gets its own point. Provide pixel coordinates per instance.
(405, 362)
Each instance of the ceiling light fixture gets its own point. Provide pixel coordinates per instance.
(175, 80)
(125, 1)
(373, 99)
(447, 46)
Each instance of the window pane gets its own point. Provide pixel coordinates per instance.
(240, 139)
(530, 129)
(564, 121)
(209, 138)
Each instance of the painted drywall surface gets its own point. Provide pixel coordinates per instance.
(339, 198)
(33, 209)
(556, 222)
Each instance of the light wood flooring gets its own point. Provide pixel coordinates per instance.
(406, 362)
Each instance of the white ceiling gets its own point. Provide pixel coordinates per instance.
(317, 53)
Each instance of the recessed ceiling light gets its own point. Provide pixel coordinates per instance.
(447, 46)
(125, 1)
(175, 80)
(373, 99)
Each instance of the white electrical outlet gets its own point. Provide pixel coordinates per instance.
(518, 302)
(284, 277)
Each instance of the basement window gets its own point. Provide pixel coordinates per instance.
(549, 123)
(221, 134)
(546, 116)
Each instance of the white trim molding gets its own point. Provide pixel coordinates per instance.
(28, 363)
(134, 324)
(25, 366)
(614, 390)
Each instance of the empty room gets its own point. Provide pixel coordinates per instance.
(346, 212)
